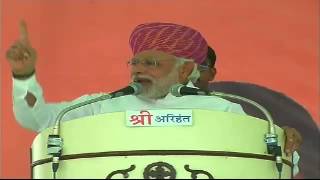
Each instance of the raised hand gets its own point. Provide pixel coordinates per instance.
(21, 56)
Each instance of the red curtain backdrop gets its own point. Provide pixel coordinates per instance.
(83, 48)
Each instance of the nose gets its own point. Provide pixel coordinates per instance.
(138, 69)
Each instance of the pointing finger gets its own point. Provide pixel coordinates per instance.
(24, 33)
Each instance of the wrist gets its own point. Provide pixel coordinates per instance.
(23, 76)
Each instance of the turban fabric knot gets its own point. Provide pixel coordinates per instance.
(180, 41)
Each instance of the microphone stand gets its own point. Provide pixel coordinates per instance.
(271, 138)
(55, 142)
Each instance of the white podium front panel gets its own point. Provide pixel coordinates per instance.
(217, 145)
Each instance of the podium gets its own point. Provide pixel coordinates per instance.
(216, 145)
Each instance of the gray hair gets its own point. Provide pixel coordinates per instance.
(195, 74)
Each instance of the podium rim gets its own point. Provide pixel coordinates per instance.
(162, 153)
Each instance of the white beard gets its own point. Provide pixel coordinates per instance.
(159, 87)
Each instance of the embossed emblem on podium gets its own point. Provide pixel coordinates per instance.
(124, 172)
(159, 170)
(195, 173)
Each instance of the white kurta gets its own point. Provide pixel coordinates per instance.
(43, 114)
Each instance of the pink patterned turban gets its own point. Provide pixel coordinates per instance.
(174, 39)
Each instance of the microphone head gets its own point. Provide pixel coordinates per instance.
(175, 89)
(137, 88)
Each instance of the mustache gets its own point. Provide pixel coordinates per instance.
(137, 78)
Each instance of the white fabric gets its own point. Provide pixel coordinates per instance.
(295, 161)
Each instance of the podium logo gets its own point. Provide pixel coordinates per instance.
(167, 117)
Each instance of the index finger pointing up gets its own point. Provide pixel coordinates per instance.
(23, 32)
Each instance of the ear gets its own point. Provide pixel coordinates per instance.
(184, 71)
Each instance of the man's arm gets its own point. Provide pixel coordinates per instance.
(30, 108)
(33, 112)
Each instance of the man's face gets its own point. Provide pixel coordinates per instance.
(155, 71)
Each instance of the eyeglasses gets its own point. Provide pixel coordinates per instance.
(148, 63)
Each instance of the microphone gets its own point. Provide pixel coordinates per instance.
(271, 138)
(55, 142)
(179, 90)
(134, 88)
